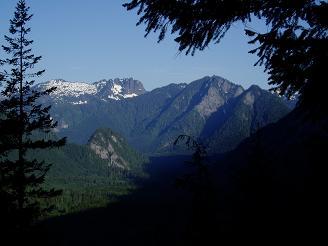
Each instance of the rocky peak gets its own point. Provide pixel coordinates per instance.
(216, 92)
(251, 94)
(118, 89)
(81, 92)
(105, 144)
(131, 85)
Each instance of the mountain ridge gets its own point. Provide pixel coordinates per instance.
(151, 121)
(80, 92)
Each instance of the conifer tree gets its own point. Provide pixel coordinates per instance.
(24, 122)
(202, 225)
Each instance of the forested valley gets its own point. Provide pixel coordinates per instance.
(208, 162)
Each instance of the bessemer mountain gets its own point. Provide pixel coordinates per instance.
(212, 109)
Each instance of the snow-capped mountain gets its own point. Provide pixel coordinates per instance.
(81, 92)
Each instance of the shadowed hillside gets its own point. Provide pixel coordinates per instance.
(155, 214)
(266, 190)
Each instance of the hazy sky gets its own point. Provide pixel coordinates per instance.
(89, 40)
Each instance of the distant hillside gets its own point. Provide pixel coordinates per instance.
(273, 182)
(237, 120)
(113, 149)
(86, 178)
(107, 153)
(219, 113)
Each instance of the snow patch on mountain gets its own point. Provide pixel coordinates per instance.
(113, 97)
(79, 102)
(116, 89)
(69, 89)
(130, 95)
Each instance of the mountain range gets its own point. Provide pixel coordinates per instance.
(217, 112)
(80, 92)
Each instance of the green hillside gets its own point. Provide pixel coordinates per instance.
(86, 180)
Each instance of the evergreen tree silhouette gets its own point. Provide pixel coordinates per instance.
(198, 182)
(23, 124)
(293, 50)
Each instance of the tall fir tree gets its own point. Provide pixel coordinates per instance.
(24, 123)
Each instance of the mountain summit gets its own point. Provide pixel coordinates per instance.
(118, 89)
(81, 92)
(218, 112)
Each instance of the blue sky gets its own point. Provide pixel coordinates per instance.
(89, 40)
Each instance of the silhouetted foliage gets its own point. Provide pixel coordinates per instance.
(255, 190)
(198, 182)
(24, 123)
(293, 50)
(199, 179)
